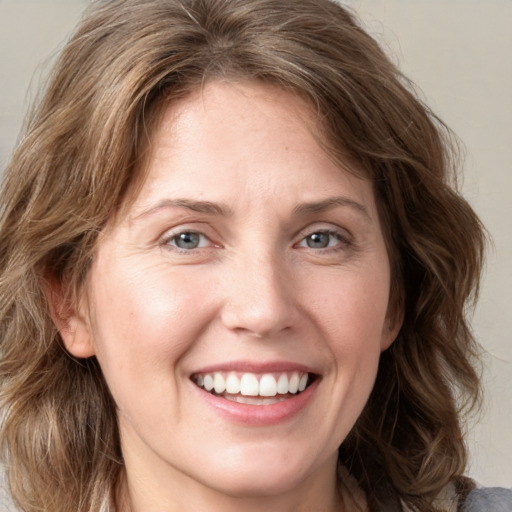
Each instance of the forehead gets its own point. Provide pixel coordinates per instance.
(230, 135)
(217, 116)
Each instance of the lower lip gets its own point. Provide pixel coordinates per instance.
(259, 415)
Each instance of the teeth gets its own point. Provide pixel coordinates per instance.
(252, 385)
(293, 385)
(219, 384)
(249, 385)
(232, 384)
(208, 382)
(282, 384)
(255, 400)
(303, 382)
(268, 385)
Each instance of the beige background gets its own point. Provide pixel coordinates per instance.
(460, 53)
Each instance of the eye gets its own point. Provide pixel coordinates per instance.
(188, 240)
(322, 240)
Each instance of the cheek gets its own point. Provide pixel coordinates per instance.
(352, 307)
(143, 324)
(144, 319)
(352, 314)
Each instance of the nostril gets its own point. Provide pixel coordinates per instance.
(259, 301)
(258, 322)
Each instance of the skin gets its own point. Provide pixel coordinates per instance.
(255, 289)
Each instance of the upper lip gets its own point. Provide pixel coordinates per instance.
(256, 367)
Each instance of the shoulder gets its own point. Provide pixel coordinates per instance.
(495, 499)
(478, 499)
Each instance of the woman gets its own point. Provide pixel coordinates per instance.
(233, 271)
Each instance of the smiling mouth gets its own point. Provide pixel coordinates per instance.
(253, 388)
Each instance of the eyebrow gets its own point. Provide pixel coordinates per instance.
(209, 208)
(329, 204)
(206, 207)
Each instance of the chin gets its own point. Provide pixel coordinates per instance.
(264, 483)
(278, 473)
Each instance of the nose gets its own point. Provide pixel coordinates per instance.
(260, 300)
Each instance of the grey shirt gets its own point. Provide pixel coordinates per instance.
(489, 499)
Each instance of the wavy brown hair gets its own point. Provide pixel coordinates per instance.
(82, 157)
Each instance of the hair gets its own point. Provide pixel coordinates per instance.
(82, 158)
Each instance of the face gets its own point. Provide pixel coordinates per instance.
(239, 306)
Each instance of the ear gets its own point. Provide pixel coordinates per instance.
(71, 320)
(393, 323)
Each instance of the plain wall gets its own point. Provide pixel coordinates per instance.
(459, 52)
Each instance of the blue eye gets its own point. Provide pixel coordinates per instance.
(321, 240)
(188, 240)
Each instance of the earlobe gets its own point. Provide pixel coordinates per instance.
(393, 324)
(390, 333)
(70, 319)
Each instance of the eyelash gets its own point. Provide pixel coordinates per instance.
(342, 241)
(171, 239)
